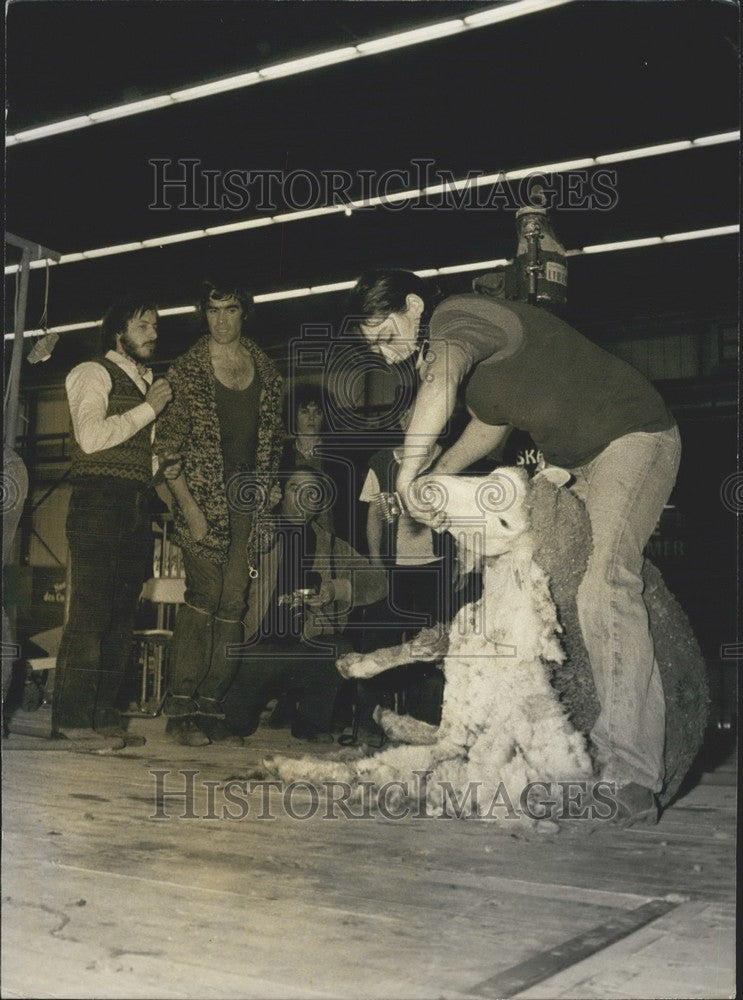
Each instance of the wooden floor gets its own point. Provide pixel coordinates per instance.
(100, 899)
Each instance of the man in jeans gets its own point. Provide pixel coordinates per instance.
(588, 412)
(225, 427)
(113, 404)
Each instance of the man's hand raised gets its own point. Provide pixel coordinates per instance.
(159, 395)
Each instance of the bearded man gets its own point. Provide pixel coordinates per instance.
(113, 404)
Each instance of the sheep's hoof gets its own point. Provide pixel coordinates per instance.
(272, 763)
(346, 664)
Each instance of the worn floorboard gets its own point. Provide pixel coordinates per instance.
(100, 899)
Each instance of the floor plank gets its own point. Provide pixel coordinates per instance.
(102, 900)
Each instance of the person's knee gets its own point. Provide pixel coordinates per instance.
(231, 603)
(200, 606)
(203, 589)
(611, 568)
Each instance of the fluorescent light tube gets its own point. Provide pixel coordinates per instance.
(109, 251)
(505, 12)
(135, 108)
(176, 310)
(700, 234)
(417, 35)
(290, 293)
(636, 154)
(480, 265)
(156, 241)
(712, 140)
(236, 227)
(622, 245)
(309, 213)
(216, 87)
(309, 63)
(336, 286)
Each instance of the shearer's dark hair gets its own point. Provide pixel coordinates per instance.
(384, 291)
(119, 314)
(225, 288)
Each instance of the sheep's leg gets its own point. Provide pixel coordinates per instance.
(364, 665)
(427, 646)
(405, 728)
(400, 763)
(309, 768)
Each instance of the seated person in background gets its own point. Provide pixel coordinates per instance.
(299, 609)
(306, 418)
(412, 556)
(305, 421)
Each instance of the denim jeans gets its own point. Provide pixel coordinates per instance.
(210, 620)
(108, 530)
(624, 490)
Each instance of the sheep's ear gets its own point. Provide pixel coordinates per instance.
(554, 474)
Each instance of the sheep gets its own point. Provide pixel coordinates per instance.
(519, 698)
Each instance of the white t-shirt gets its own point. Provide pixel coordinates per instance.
(414, 541)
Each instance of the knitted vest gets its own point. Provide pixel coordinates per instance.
(132, 459)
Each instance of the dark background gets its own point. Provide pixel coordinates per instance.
(573, 81)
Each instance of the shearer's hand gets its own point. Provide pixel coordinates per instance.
(426, 505)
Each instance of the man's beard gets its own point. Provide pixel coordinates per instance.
(140, 355)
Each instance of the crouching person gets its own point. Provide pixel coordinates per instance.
(299, 611)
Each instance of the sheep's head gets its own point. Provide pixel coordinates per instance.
(486, 515)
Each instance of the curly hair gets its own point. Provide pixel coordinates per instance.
(118, 316)
(225, 288)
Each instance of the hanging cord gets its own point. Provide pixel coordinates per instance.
(16, 296)
(42, 349)
(44, 319)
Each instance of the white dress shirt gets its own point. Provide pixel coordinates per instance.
(88, 387)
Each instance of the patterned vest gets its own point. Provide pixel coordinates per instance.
(132, 459)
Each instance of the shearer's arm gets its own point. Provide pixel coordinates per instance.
(434, 404)
(475, 442)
